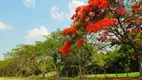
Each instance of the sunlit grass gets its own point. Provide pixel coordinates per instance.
(120, 75)
(19, 78)
(134, 74)
(22, 78)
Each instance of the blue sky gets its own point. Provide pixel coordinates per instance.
(26, 21)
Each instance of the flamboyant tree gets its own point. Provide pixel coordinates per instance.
(116, 21)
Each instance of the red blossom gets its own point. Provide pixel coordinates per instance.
(74, 16)
(70, 30)
(66, 47)
(80, 13)
(78, 9)
(83, 20)
(137, 7)
(79, 42)
(93, 3)
(121, 11)
(107, 22)
(103, 4)
(92, 27)
(104, 23)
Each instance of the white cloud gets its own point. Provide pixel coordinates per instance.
(36, 34)
(56, 14)
(59, 15)
(4, 26)
(29, 3)
(72, 6)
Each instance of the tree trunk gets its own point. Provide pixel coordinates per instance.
(127, 70)
(127, 74)
(43, 74)
(3, 74)
(96, 73)
(20, 73)
(16, 74)
(91, 72)
(116, 73)
(66, 73)
(73, 74)
(82, 71)
(140, 67)
(105, 71)
(57, 74)
(33, 73)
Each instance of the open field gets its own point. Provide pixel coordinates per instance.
(121, 76)
(18, 78)
(63, 78)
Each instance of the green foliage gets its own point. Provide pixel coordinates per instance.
(45, 56)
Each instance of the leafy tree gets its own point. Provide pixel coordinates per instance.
(122, 25)
(44, 58)
(26, 59)
(53, 43)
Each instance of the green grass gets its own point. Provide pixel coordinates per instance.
(18, 78)
(121, 75)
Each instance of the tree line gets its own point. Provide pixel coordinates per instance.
(105, 37)
(45, 56)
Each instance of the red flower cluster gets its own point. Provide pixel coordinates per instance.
(66, 48)
(92, 27)
(93, 3)
(79, 42)
(107, 22)
(83, 21)
(101, 4)
(81, 11)
(104, 23)
(137, 7)
(70, 30)
(121, 11)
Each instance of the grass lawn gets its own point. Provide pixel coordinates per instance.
(66, 78)
(121, 75)
(90, 77)
(18, 78)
